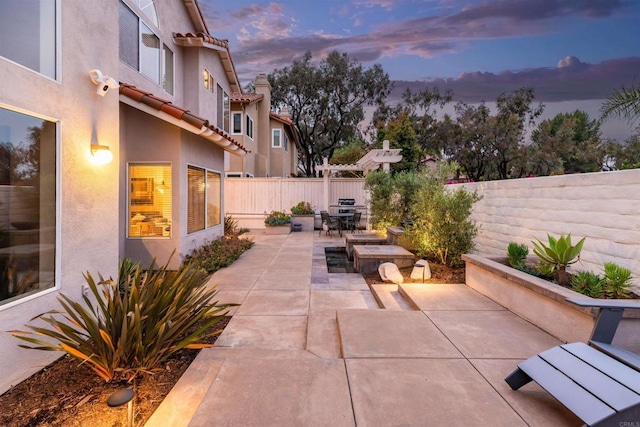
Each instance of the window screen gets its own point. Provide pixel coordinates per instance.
(129, 34)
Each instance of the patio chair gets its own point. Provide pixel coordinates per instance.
(353, 223)
(328, 223)
(599, 382)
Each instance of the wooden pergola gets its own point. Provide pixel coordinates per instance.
(369, 162)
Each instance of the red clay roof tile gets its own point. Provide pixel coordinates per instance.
(179, 113)
(246, 98)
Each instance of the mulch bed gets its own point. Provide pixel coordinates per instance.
(67, 394)
(439, 274)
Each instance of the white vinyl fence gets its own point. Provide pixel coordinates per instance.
(248, 200)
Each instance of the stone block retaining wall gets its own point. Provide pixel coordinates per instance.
(604, 207)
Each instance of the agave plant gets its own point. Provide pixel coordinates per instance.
(560, 253)
(616, 281)
(130, 326)
(588, 284)
(517, 253)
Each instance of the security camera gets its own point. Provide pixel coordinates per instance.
(107, 84)
(104, 82)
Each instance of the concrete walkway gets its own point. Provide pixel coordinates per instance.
(312, 348)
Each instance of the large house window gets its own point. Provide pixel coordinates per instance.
(224, 106)
(142, 49)
(236, 126)
(249, 127)
(149, 200)
(28, 34)
(27, 205)
(203, 199)
(276, 138)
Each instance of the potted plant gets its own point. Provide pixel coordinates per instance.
(303, 214)
(278, 222)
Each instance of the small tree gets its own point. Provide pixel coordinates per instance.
(442, 227)
(381, 188)
(392, 197)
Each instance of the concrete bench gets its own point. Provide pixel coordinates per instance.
(599, 382)
(367, 258)
(362, 239)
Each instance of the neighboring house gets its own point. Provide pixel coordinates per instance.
(166, 127)
(270, 137)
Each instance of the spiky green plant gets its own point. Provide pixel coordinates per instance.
(616, 281)
(559, 252)
(129, 333)
(588, 284)
(517, 253)
(545, 270)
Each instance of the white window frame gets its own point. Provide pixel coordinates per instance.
(273, 138)
(161, 48)
(128, 200)
(58, 47)
(163, 69)
(223, 107)
(249, 126)
(206, 195)
(208, 82)
(233, 121)
(57, 278)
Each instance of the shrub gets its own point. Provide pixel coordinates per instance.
(302, 208)
(442, 227)
(127, 334)
(277, 218)
(392, 197)
(560, 252)
(588, 284)
(220, 253)
(230, 226)
(517, 254)
(616, 282)
(381, 189)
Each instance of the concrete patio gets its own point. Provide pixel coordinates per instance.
(312, 348)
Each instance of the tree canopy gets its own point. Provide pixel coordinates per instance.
(326, 101)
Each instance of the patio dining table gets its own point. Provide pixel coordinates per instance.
(343, 217)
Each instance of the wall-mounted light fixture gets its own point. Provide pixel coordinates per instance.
(101, 154)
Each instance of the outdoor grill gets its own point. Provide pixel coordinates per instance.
(348, 203)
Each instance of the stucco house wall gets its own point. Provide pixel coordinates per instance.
(87, 223)
(91, 200)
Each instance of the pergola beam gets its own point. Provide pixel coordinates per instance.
(369, 162)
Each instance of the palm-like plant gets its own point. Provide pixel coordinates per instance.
(132, 325)
(623, 103)
(559, 252)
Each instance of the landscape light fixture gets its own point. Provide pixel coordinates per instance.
(121, 397)
(101, 154)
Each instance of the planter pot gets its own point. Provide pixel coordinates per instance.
(278, 229)
(542, 302)
(305, 220)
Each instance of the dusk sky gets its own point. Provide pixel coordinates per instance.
(573, 52)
